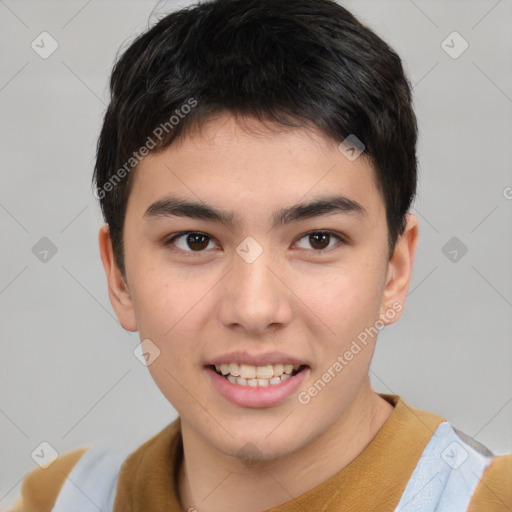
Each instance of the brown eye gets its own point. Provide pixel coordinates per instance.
(190, 242)
(320, 240)
(197, 241)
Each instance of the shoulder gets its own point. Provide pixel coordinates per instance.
(494, 491)
(475, 469)
(40, 488)
(457, 468)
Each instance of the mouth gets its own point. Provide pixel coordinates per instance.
(272, 381)
(257, 376)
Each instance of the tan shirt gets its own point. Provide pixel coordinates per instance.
(374, 481)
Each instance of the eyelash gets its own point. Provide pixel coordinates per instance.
(192, 254)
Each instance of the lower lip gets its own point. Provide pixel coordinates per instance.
(260, 396)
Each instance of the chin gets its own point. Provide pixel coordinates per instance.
(263, 442)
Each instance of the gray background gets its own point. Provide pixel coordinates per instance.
(68, 375)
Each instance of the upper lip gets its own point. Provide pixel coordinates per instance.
(255, 359)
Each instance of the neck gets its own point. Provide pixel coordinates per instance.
(210, 481)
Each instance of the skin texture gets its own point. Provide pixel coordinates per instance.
(294, 298)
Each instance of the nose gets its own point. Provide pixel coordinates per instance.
(255, 297)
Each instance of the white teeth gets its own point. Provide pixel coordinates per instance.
(278, 369)
(256, 376)
(264, 372)
(247, 371)
(234, 369)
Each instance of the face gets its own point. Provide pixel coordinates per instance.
(254, 304)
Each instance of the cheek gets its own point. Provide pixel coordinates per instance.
(170, 311)
(165, 302)
(348, 301)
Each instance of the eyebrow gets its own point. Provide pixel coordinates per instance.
(178, 207)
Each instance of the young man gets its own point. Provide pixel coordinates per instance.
(255, 170)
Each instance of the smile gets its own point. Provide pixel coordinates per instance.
(256, 376)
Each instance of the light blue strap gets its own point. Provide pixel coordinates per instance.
(91, 484)
(447, 473)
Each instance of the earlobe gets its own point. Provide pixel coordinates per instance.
(399, 272)
(118, 290)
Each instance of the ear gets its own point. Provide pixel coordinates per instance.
(399, 273)
(117, 287)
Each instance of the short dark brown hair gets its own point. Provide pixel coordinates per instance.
(291, 62)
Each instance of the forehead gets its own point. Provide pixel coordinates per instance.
(253, 167)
